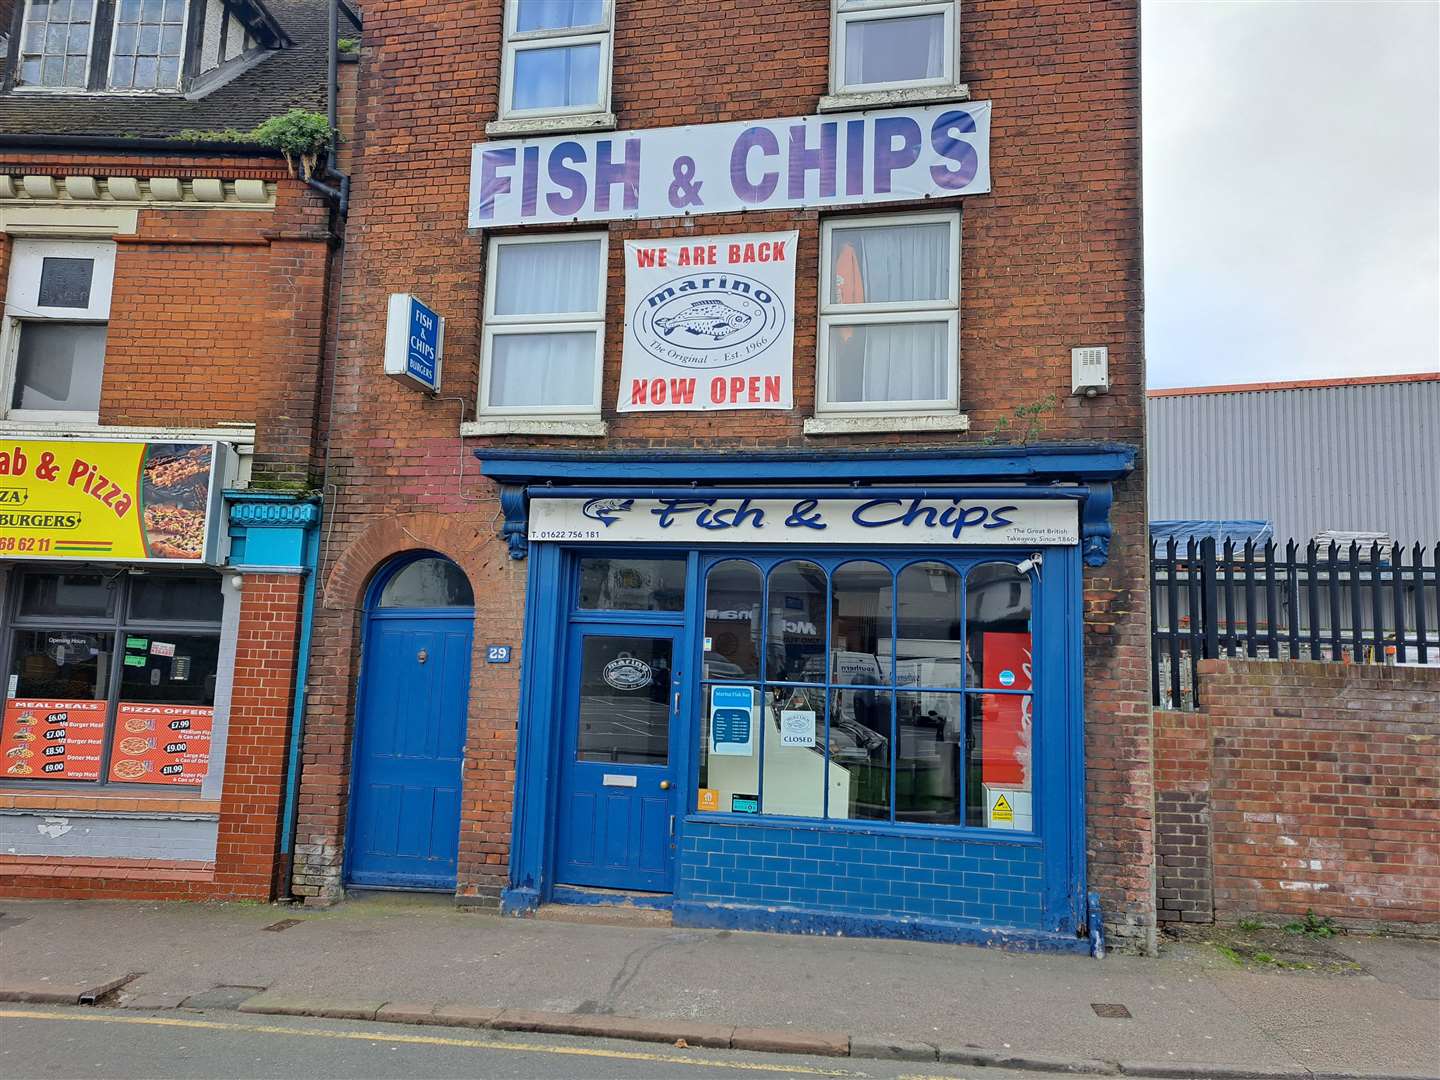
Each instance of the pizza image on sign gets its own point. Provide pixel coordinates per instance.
(175, 484)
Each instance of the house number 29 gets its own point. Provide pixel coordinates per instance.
(497, 654)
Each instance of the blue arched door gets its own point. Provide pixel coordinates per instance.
(404, 823)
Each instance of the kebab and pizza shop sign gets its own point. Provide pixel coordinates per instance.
(878, 156)
(131, 501)
(709, 323)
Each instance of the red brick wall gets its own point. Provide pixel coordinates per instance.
(1050, 260)
(1320, 785)
(217, 315)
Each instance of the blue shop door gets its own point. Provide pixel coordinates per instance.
(409, 744)
(618, 789)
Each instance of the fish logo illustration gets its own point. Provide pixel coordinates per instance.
(606, 511)
(713, 319)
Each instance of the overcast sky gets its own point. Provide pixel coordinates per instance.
(1292, 210)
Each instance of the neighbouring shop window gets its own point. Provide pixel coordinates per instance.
(885, 45)
(557, 58)
(56, 311)
(889, 314)
(431, 582)
(623, 584)
(889, 691)
(111, 677)
(544, 325)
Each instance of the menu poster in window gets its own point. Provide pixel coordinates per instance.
(45, 740)
(161, 744)
(1005, 741)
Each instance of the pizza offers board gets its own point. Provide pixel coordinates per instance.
(161, 744)
(41, 739)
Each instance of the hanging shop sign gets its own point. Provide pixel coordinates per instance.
(414, 343)
(882, 155)
(888, 520)
(709, 323)
(107, 501)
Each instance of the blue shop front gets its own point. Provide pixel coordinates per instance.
(837, 694)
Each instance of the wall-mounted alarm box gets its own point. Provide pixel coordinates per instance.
(1090, 370)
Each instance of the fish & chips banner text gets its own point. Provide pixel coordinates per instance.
(709, 323)
(885, 155)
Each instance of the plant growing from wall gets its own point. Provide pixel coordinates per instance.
(303, 137)
(1029, 416)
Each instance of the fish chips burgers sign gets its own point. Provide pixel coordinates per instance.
(709, 323)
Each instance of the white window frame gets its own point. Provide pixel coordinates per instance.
(22, 305)
(110, 86)
(496, 325)
(946, 310)
(38, 88)
(846, 12)
(601, 33)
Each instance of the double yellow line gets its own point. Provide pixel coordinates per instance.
(420, 1040)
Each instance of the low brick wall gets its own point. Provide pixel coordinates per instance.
(1302, 786)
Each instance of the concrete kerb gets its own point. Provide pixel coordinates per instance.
(720, 1036)
(48, 993)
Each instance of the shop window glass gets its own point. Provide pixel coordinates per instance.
(927, 644)
(732, 621)
(124, 704)
(927, 757)
(795, 625)
(617, 584)
(176, 599)
(67, 593)
(624, 713)
(427, 583)
(923, 713)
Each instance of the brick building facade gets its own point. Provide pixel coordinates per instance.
(452, 633)
(165, 299)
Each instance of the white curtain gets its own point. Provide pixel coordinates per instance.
(901, 361)
(894, 50)
(547, 278)
(551, 369)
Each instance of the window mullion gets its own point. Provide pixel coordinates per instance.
(101, 34)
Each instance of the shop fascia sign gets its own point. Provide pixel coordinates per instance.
(879, 156)
(414, 342)
(99, 501)
(941, 521)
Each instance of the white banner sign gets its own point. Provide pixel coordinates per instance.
(883, 155)
(709, 323)
(888, 520)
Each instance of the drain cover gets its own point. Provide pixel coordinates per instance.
(283, 924)
(1111, 1012)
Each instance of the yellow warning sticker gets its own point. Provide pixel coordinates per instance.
(1001, 810)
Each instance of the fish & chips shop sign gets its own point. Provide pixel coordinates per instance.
(709, 323)
(855, 520)
(110, 501)
(885, 155)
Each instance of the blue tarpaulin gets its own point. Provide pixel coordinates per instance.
(1237, 529)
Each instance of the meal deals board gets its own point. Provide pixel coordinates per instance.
(42, 739)
(709, 323)
(112, 501)
(161, 744)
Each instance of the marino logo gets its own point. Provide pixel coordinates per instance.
(627, 672)
(605, 511)
(707, 321)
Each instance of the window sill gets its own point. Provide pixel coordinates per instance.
(906, 95)
(77, 802)
(534, 425)
(552, 125)
(862, 424)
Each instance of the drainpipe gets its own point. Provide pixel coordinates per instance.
(340, 190)
(289, 822)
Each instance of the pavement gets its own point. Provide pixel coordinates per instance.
(1373, 1010)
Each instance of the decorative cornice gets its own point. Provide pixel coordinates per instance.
(167, 192)
(271, 511)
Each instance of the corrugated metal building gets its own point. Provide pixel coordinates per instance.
(1346, 454)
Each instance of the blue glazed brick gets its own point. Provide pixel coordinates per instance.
(763, 847)
(762, 877)
(791, 850)
(904, 858)
(904, 888)
(980, 881)
(719, 861)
